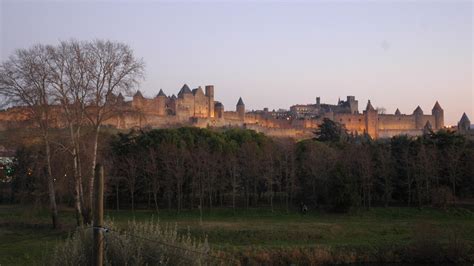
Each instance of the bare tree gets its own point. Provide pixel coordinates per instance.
(24, 80)
(113, 68)
(152, 167)
(70, 80)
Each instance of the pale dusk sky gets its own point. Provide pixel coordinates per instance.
(276, 53)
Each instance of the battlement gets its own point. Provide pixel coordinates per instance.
(197, 107)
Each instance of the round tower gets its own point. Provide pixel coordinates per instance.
(438, 114)
(219, 110)
(240, 108)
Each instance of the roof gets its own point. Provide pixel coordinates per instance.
(138, 94)
(240, 102)
(428, 124)
(198, 90)
(437, 106)
(218, 104)
(397, 112)
(464, 118)
(184, 89)
(161, 93)
(173, 97)
(418, 110)
(369, 107)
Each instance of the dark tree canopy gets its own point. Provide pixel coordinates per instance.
(330, 131)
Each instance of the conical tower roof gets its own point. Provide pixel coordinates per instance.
(464, 118)
(161, 93)
(428, 124)
(369, 107)
(240, 102)
(418, 110)
(173, 97)
(427, 129)
(120, 97)
(184, 89)
(437, 106)
(138, 94)
(397, 112)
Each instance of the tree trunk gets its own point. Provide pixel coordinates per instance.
(255, 194)
(155, 198)
(178, 194)
(77, 204)
(94, 162)
(77, 178)
(51, 192)
(210, 195)
(132, 194)
(117, 194)
(233, 194)
(454, 190)
(149, 199)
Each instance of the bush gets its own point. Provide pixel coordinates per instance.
(146, 243)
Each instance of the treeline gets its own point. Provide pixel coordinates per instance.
(193, 168)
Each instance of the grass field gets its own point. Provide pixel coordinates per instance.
(26, 237)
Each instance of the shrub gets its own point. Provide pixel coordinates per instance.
(147, 243)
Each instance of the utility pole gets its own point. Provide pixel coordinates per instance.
(98, 217)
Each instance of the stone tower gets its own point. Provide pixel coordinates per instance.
(438, 113)
(160, 102)
(418, 113)
(353, 104)
(240, 108)
(210, 98)
(138, 100)
(464, 124)
(371, 120)
(219, 110)
(185, 102)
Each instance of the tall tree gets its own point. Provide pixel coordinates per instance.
(24, 80)
(68, 65)
(113, 68)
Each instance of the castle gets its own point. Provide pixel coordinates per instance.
(198, 107)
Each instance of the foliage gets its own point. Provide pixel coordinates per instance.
(330, 131)
(194, 168)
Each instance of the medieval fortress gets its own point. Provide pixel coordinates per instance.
(198, 107)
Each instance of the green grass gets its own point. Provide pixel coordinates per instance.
(26, 236)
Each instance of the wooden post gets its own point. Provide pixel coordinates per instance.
(98, 217)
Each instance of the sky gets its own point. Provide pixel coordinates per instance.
(399, 54)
